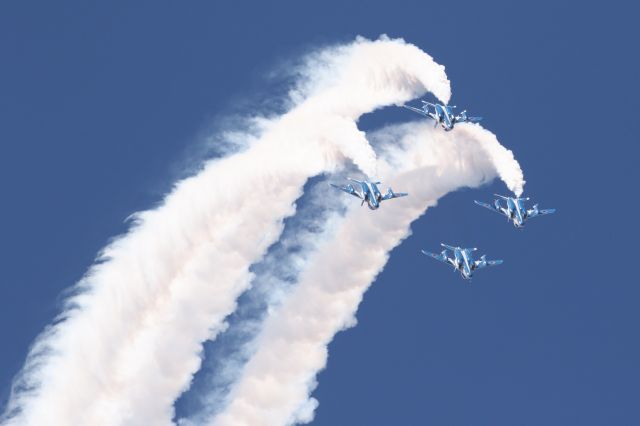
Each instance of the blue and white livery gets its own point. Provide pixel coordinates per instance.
(514, 209)
(462, 260)
(442, 114)
(369, 193)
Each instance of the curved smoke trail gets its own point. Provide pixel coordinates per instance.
(128, 341)
(275, 386)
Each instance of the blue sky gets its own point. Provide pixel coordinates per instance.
(101, 108)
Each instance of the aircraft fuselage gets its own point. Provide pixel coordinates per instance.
(444, 115)
(372, 195)
(516, 212)
(463, 262)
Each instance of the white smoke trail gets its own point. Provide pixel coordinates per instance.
(275, 387)
(128, 343)
(274, 276)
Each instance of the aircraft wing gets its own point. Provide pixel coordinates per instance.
(390, 194)
(501, 196)
(348, 189)
(463, 118)
(418, 110)
(488, 206)
(482, 262)
(535, 212)
(440, 257)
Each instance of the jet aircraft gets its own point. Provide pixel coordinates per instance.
(369, 193)
(515, 210)
(442, 114)
(462, 260)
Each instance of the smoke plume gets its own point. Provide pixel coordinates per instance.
(128, 341)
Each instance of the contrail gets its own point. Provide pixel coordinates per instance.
(128, 341)
(275, 386)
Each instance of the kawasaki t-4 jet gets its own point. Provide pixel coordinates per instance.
(462, 260)
(514, 210)
(442, 114)
(369, 193)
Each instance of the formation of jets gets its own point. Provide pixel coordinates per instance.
(461, 259)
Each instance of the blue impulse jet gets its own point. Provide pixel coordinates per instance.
(514, 210)
(462, 260)
(442, 114)
(369, 193)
